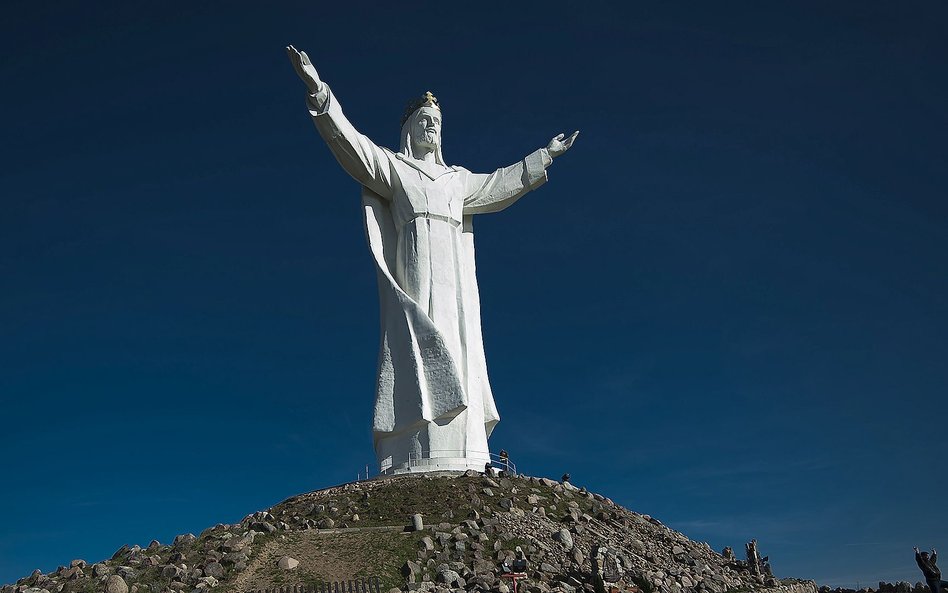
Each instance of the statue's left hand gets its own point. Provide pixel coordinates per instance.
(558, 145)
(304, 69)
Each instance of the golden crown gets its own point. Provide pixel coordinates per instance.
(428, 100)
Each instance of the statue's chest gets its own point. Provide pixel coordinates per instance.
(418, 194)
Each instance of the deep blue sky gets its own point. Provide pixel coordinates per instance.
(726, 309)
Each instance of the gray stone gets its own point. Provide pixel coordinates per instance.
(565, 538)
(237, 544)
(116, 584)
(287, 563)
(209, 582)
(73, 573)
(234, 558)
(411, 570)
(263, 526)
(127, 572)
(417, 522)
(450, 578)
(170, 571)
(180, 541)
(214, 569)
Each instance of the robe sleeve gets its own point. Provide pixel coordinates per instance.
(503, 187)
(367, 163)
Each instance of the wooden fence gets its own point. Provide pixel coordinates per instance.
(361, 585)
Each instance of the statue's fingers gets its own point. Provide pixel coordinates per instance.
(294, 57)
(559, 136)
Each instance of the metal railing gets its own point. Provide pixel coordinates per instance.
(445, 457)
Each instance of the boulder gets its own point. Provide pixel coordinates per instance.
(563, 536)
(263, 526)
(116, 584)
(185, 539)
(450, 578)
(214, 569)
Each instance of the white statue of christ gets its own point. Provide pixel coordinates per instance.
(434, 409)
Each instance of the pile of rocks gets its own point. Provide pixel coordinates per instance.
(569, 537)
(572, 539)
(190, 563)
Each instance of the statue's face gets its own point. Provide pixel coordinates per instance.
(426, 128)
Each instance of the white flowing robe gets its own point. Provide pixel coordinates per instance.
(433, 397)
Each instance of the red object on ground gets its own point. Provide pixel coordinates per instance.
(514, 576)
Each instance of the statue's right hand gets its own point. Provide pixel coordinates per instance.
(304, 69)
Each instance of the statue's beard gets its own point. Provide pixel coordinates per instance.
(428, 140)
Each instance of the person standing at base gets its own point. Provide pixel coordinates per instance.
(927, 562)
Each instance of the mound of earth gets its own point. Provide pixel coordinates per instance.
(471, 527)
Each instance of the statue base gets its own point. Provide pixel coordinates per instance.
(453, 443)
(438, 461)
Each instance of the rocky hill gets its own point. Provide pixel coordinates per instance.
(424, 533)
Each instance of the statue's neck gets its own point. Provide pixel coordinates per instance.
(425, 153)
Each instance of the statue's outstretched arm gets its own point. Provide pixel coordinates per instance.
(503, 187)
(359, 156)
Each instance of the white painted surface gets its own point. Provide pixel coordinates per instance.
(434, 407)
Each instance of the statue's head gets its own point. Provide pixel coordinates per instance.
(925, 555)
(421, 127)
(425, 128)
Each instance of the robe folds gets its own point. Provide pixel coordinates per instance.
(433, 396)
